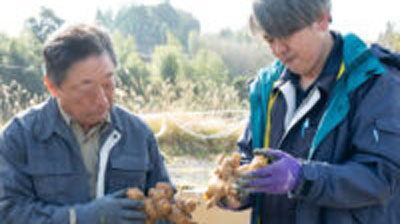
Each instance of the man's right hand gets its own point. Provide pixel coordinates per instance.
(111, 209)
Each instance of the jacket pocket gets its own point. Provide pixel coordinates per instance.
(127, 172)
(371, 214)
(389, 125)
(60, 186)
(387, 137)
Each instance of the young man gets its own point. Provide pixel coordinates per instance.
(70, 159)
(329, 108)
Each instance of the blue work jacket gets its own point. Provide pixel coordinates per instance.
(351, 172)
(42, 173)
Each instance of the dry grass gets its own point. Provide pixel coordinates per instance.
(197, 134)
(183, 96)
(14, 98)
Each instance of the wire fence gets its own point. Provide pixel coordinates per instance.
(192, 123)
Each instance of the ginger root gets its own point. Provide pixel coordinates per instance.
(180, 211)
(160, 204)
(221, 182)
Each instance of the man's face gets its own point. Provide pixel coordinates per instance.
(302, 51)
(87, 92)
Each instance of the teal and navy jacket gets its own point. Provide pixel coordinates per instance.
(351, 170)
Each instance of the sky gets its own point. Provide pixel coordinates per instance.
(367, 18)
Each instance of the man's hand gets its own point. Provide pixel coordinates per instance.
(111, 209)
(278, 178)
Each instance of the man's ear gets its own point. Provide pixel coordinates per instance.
(324, 21)
(50, 86)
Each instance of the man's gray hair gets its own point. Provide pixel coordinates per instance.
(281, 18)
(73, 43)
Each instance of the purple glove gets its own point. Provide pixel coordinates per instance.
(278, 178)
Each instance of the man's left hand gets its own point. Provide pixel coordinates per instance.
(280, 177)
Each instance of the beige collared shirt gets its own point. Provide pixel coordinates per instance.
(89, 145)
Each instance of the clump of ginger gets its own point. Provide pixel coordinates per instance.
(160, 204)
(221, 182)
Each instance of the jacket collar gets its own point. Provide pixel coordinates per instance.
(116, 119)
(50, 120)
(357, 53)
(386, 56)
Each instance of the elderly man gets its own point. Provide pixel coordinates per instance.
(70, 159)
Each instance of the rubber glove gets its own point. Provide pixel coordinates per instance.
(280, 177)
(111, 209)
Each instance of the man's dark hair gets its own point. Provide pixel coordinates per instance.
(72, 44)
(281, 18)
